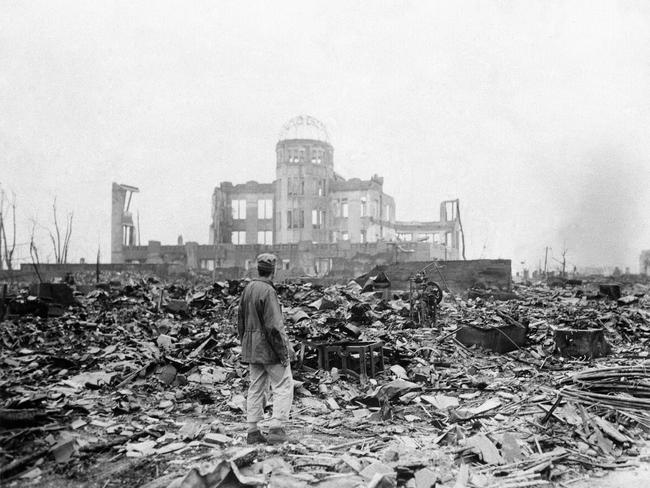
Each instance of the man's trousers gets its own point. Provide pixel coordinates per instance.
(281, 382)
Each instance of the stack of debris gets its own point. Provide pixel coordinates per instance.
(143, 381)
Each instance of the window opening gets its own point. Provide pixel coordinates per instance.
(265, 209)
(238, 237)
(265, 237)
(239, 209)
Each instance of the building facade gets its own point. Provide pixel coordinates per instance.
(312, 218)
(309, 201)
(644, 263)
(123, 230)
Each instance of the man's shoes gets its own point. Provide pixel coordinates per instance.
(277, 435)
(255, 437)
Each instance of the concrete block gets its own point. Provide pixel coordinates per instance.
(581, 342)
(610, 290)
(501, 340)
(60, 293)
(177, 306)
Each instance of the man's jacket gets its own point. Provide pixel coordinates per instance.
(260, 325)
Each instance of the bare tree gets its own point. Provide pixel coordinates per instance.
(6, 250)
(61, 241)
(33, 252)
(563, 262)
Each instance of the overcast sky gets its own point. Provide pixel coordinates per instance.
(535, 114)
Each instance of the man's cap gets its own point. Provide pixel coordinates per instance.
(266, 262)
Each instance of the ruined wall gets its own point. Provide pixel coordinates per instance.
(122, 227)
(445, 231)
(224, 224)
(117, 207)
(49, 272)
(367, 204)
(459, 275)
(644, 263)
(339, 261)
(301, 259)
(219, 216)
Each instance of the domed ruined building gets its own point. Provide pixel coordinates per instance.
(309, 202)
(309, 216)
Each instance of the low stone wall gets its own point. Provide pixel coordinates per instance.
(49, 272)
(458, 275)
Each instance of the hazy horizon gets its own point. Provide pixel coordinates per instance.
(534, 114)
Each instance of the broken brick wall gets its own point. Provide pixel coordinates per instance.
(459, 275)
(49, 272)
(299, 259)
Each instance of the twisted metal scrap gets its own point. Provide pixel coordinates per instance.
(619, 387)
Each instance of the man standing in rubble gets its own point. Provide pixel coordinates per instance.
(266, 349)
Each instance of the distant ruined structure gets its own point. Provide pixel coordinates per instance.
(644, 263)
(313, 219)
(123, 230)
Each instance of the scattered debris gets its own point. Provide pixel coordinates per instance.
(147, 374)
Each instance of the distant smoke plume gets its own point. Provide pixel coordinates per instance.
(600, 209)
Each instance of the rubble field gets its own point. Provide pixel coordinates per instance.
(138, 383)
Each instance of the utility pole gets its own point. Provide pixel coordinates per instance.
(97, 267)
(545, 262)
(138, 220)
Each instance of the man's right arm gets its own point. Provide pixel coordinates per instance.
(274, 324)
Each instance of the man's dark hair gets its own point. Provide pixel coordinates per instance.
(264, 273)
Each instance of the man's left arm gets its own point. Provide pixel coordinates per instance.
(240, 320)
